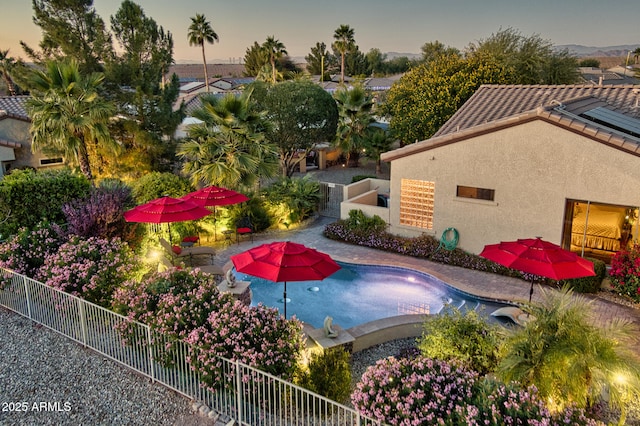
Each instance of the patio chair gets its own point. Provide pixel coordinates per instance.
(179, 253)
(244, 227)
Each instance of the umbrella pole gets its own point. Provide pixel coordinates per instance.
(215, 235)
(531, 291)
(285, 300)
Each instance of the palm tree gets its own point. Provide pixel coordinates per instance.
(6, 67)
(355, 115)
(275, 50)
(378, 142)
(344, 43)
(636, 55)
(200, 31)
(568, 359)
(228, 148)
(68, 114)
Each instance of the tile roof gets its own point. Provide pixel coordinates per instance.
(14, 106)
(495, 107)
(494, 102)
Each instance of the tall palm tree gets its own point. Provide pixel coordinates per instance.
(344, 43)
(67, 113)
(355, 116)
(568, 359)
(275, 49)
(6, 67)
(228, 148)
(200, 31)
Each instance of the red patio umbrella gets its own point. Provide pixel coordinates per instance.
(166, 210)
(285, 261)
(212, 196)
(538, 257)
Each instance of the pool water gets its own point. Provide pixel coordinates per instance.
(357, 294)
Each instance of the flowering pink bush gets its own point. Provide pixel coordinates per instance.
(172, 302)
(25, 252)
(423, 391)
(416, 391)
(91, 268)
(625, 272)
(186, 305)
(258, 336)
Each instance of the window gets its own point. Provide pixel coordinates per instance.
(477, 193)
(416, 203)
(51, 161)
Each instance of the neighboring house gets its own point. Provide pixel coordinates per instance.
(15, 140)
(558, 162)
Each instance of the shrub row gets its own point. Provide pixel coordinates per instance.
(362, 230)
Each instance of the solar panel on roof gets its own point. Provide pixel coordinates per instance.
(614, 120)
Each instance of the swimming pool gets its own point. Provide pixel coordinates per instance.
(358, 294)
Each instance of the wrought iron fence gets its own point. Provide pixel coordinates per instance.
(242, 393)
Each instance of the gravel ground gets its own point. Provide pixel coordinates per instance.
(52, 380)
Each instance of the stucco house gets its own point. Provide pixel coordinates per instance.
(558, 162)
(15, 140)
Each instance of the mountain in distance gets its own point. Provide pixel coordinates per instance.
(603, 51)
(576, 49)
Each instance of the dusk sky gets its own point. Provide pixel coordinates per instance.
(392, 26)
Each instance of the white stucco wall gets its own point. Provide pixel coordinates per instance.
(533, 168)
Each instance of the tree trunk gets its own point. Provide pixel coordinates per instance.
(206, 74)
(83, 161)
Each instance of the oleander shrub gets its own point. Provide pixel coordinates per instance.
(418, 391)
(25, 251)
(625, 272)
(187, 306)
(90, 268)
(258, 336)
(423, 391)
(589, 284)
(329, 374)
(464, 338)
(497, 403)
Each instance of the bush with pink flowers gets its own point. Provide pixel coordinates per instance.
(89, 268)
(186, 305)
(258, 336)
(625, 272)
(25, 252)
(423, 391)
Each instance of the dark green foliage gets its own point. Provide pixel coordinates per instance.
(589, 62)
(156, 185)
(302, 114)
(300, 196)
(589, 284)
(254, 209)
(358, 178)
(464, 338)
(359, 221)
(329, 374)
(28, 197)
(71, 29)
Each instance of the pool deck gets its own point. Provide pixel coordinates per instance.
(482, 284)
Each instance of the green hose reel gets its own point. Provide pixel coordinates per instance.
(449, 239)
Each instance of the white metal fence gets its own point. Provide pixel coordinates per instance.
(247, 395)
